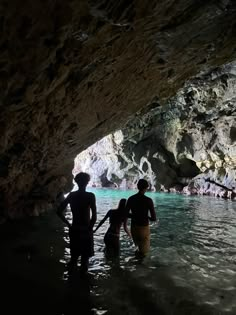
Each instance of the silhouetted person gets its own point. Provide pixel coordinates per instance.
(81, 229)
(112, 236)
(139, 207)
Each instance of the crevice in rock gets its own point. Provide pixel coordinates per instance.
(233, 134)
(73, 72)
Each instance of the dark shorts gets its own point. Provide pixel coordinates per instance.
(81, 242)
(112, 242)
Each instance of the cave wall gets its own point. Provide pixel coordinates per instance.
(74, 71)
(187, 144)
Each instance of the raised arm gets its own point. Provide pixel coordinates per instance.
(103, 220)
(152, 211)
(61, 208)
(94, 211)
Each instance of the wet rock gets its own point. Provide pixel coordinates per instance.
(95, 64)
(185, 146)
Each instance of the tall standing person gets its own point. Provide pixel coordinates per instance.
(141, 209)
(84, 212)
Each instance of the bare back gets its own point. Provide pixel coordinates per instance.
(140, 206)
(116, 220)
(81, 202)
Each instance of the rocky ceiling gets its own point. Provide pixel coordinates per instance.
(74, 71)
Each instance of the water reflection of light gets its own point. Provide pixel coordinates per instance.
(194, 246)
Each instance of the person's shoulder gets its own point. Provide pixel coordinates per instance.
(73, 194)
(132, 197)
(129, 200)
(90, 193)
(148, 198)
(135, 197)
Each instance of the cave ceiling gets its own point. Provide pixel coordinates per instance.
(74, 71)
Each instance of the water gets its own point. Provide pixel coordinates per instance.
(191, 268)
(192, 260)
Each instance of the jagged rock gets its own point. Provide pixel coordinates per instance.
(74, 71)
(186, 145)
(109, 166)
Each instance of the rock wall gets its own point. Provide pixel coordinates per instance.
(74, 71)
(187, 145)
(109, 165)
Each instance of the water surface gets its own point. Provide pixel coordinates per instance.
(192, 263)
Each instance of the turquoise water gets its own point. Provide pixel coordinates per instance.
(192, 262)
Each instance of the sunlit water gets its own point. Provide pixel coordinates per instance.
(192, 258)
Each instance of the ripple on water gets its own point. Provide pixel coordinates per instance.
(192, 256)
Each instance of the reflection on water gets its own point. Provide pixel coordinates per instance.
(191, 266)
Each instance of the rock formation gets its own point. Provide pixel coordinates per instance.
(187, 145)
(75, 71)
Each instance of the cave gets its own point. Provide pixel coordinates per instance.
(89, 67)
(158, 78)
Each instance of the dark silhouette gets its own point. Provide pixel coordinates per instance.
(112, 236)
(78, 295)
(81, 229)
(140, 207)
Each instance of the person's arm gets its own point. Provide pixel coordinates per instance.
(127, 231)
(152, 211)
(61, 209)
(94, 212)
(103, 220)
(126, 216)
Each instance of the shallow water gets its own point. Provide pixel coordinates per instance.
(191, 268)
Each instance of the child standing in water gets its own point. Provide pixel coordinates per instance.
(112, 236)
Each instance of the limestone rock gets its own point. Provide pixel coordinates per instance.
(188, 144)
(75, 71)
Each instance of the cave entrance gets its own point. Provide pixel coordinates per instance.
(102, 161)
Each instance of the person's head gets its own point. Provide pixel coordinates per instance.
(142, 185)
(82, 179)
(122, 204)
